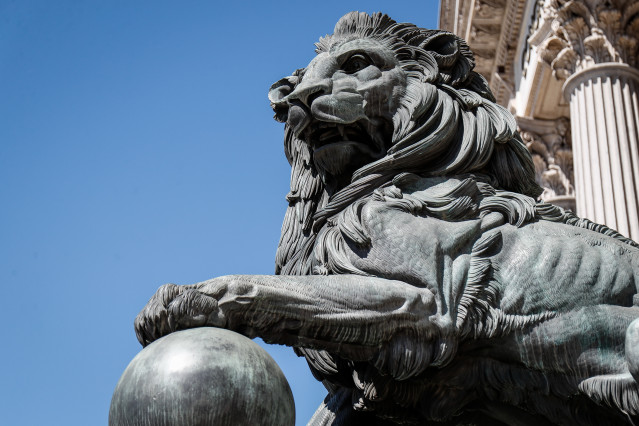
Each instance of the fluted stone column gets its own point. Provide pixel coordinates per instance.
(604, 115)
(594, 47)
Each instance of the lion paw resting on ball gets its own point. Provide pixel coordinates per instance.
(417, 273)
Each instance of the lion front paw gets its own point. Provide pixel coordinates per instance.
(174, 308)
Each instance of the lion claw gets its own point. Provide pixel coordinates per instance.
(175, 308)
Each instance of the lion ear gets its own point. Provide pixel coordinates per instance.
(279, 91)
(454, 57)
(281, 88)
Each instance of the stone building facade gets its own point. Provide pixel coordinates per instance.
(567, 70)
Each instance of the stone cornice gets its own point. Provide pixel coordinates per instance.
(491, 28)
(589, 32)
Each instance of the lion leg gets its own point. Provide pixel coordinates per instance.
(632, 349)
(345, 314)
(620, 390)
(587, 345)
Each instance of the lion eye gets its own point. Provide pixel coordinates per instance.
(356, 63)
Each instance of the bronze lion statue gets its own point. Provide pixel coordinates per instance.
(417, 272)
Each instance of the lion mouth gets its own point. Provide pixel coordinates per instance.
(339, 149)
(323, 136)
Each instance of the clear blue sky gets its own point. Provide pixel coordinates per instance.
(137, 148)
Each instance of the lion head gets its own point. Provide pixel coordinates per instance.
(383, 98)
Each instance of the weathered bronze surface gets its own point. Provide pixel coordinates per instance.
(417, 272)
(200, 377)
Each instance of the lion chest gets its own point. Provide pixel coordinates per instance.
(415, 249)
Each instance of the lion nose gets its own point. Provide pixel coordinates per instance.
(307, 92)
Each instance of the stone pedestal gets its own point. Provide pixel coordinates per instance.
(604, 114)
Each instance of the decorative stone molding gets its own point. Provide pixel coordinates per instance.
(540, 27)
(487, 26)
(599, 71)
(590, 32)
(594, 47)
(489, 10)
(549, 142)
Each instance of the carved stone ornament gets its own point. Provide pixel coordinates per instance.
(552, 156)
(588, 32)
(417, 272)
